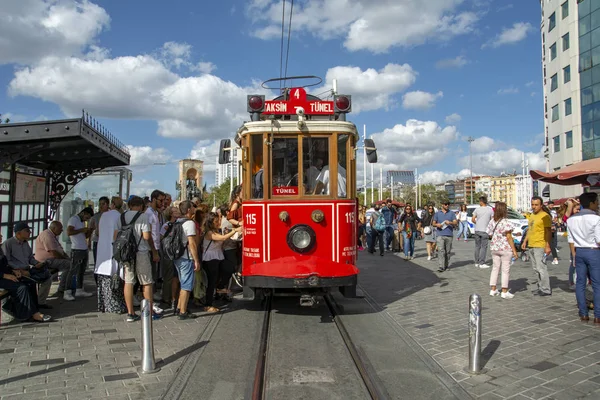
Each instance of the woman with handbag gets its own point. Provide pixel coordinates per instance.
(108, 275)
(502, 246)
(24, 298)
(408, 225)
(429, 232)
(463, 224)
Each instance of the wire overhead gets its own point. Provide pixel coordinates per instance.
(287, 54)
(281, 50)
(282, 72)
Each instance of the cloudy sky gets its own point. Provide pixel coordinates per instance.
(170, 79)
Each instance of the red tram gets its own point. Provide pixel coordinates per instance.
(298, 157)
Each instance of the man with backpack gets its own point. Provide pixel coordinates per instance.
(181, 247)
(132, 250)
(377, 222)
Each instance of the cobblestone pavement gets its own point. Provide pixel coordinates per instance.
(534, 347)
(84, 354)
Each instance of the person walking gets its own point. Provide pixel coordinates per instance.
(481, 218)
(463, 224)
(503, 248)
(445, 221)
(428, 231)
(408, 224)
(376, 234)
(583, 231)
(538, 239)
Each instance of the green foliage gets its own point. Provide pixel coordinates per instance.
(219, 195)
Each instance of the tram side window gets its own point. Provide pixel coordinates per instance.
(323, 181)
(256, 145)
(315, 154)
(285, 166)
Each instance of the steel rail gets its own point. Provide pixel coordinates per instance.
(374, 386)
(259, 384)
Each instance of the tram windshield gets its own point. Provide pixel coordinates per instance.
(321, 165)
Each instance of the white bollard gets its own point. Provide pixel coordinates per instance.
(148, 364)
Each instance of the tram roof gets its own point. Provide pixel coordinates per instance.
(291, 127)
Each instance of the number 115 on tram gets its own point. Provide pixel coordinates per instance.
(298, 163)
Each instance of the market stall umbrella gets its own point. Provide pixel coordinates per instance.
(582, 173)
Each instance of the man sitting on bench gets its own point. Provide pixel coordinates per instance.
(24, 305)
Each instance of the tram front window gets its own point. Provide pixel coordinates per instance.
(324, 179)
(315, 155)
(285, 166)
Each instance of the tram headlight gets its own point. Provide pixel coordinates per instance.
(301, 238)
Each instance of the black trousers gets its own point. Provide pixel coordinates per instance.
(376, 235)
(23, 296)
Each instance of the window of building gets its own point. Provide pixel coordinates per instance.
(584, 25)
(595, 19)
(565, 9)
(583, 7)
(566, 43)
(567, 74)
(595, 34)
(551, 22)
(555, 113)
(553, 52)
(585, 43)
(556, 146)
(569, 140)
(568, 106)
(585, 61)
(554, 82)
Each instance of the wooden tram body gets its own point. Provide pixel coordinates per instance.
(300, 236)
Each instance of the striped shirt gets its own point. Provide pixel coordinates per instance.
(583, 229)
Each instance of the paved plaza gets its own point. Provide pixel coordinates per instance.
(534, 347)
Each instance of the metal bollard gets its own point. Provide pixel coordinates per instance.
(148, 364)
(474, 334)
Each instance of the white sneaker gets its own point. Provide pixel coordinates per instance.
(158, 296)
(483, 266)
(68, 297)
(136, 301)
(428, 258)
(476, 265)
(157, 309)
(494, 292)
(507, 295)
(82, 293)
(554, 262)
(572, 287)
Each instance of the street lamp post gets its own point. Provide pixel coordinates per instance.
(471, 140)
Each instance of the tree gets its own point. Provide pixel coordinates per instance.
(477, 195)
(219, 195)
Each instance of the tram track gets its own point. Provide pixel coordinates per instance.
(372, 385)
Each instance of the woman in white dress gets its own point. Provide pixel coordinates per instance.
(109, 300)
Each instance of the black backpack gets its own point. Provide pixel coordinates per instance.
(125, 246)
(172, 243)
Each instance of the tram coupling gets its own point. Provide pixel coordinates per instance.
(307, 300)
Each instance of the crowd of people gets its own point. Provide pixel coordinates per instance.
(150, 248)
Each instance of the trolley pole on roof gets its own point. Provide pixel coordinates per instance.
(365, 163)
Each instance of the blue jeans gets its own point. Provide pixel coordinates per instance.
(185, 271)
(463, 228)
(389, 236)
(409, 244)
(587, 263)
(571, 271)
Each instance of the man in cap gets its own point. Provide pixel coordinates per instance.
(79, 233)
(20, 258)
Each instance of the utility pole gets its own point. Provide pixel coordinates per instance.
(372, 184)
(471, 140)
(365, 164)
(381, 182)
(392, 184)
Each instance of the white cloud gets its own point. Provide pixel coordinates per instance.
(33, 29)
(367, 25)
(512, 35)
(453, 119)
(483, 144)
(176, 54)
(530, 84)
(457, 62)
(143, 187)
(419, 100)
(508, 90)
(496, 162)
(437, 177)
(415, 144)
(205, 67)
(207, 151)
(147, 156)
(370, 89)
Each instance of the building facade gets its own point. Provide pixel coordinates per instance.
(224, 171)
(570, 32)
(449, 187)
(503, 188)
(484, 185)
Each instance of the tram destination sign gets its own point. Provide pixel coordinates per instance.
(297, 99)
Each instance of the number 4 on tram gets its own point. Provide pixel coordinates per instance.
(298, 163)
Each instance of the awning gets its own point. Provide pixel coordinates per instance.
(582, 173)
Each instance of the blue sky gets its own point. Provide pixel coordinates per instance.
(170, 79)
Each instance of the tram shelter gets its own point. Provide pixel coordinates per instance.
(40, 162)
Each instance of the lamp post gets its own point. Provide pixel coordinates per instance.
(471, 140)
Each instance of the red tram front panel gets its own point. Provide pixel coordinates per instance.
(266, 252)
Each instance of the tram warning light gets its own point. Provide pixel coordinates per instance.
(343, 103)
(256, 103)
